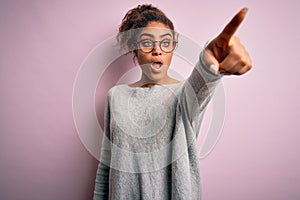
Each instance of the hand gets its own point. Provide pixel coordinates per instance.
(225, 53)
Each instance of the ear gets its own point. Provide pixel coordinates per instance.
(134, 58)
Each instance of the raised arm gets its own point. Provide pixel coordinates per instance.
(224, 55)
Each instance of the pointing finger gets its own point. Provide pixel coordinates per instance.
(233, 25)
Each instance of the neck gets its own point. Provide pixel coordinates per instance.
(146, 81)
(149, 85)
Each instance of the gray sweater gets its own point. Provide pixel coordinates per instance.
(149, 148)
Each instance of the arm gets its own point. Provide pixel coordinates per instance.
(197, 92)
(102, 182)
(101, 190)
(224, 55)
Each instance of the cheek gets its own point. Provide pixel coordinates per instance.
(142, 59)
(168, 59)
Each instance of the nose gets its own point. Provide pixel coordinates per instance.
(156, 49)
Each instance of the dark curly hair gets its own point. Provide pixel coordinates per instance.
(138, 18)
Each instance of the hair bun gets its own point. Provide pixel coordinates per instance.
(139, 17)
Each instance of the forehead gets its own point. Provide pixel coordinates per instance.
(156, 29)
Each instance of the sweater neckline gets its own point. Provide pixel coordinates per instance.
(156, 85)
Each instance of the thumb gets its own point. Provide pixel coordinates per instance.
(210, 61)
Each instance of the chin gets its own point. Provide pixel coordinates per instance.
(157, 76)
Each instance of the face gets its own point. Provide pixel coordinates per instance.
(155, 64)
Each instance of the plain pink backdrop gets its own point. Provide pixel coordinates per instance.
(43, 44)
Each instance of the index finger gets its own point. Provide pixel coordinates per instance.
(233, 25)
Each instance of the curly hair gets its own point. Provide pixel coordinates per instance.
(138, 18)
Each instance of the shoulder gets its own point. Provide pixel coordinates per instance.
(111, 93)
(116, 89)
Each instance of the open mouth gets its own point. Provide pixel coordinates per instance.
(156, 65)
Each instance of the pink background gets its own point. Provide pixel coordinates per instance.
(43, 44)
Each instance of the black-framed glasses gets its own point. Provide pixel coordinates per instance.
(166, 45)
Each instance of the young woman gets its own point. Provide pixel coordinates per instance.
(149, 149)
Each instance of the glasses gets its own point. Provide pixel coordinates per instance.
(166, 45)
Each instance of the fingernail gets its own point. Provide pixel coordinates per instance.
(213, 68)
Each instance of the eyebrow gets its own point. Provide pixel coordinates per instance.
(150, 35)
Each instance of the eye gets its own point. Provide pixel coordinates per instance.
(147, 43)
(165, 43)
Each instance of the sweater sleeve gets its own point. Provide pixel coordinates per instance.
(101, 190)
(197, 92)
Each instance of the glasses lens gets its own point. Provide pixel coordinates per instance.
(146, 45)
(167, 45)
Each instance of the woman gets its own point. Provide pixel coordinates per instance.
(149, 149)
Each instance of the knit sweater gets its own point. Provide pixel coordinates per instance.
(149, 147)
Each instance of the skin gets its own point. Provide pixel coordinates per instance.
(155, 31)
(225, 53)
